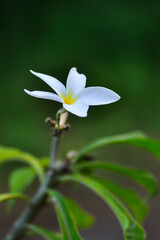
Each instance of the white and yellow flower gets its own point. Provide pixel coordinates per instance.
(74, 97)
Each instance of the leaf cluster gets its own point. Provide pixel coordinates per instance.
(129, 207)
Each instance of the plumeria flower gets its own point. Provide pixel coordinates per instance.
(74, 97)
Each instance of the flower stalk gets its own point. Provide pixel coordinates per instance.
(58, 117)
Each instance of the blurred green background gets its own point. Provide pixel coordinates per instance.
(116, 44)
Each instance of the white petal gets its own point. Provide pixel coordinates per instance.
(98, 96)
(78, 108)
(44, 95)
(55, 84)
(75, 82)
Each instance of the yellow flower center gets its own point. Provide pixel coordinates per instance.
(69, 99)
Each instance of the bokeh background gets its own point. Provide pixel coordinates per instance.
(116, 45)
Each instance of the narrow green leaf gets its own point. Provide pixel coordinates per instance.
(82, 218)
(65, 235)
(8, 196)
(48, 235)
(143, 177)
(137, 139)
(10, 154)
(138, 207)
(65, 216)
(131, 228)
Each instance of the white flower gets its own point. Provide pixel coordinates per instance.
(75, 97)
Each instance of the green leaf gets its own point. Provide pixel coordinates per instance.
(21, 178)
(45, 161)
(81, 217)
(138, 207)
(8, 196)
(137, 139)
(62, 225)
(65, 217)
(19, 181)
(143, 177)
(48, 235)
(131, 228)
(11, 154)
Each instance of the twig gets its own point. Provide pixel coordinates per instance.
(54, 151)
